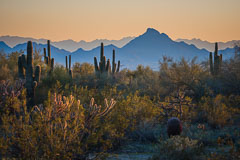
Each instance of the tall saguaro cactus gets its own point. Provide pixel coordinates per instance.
(115, 67)
(215, 65)
(47, 58)
(69, 68)
(105, 66)
(25, 71)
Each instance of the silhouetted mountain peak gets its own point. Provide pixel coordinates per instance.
(152, 31)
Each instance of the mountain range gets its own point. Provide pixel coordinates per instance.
(146, 49)
(71, 45)
(210, 45)
(68, 45)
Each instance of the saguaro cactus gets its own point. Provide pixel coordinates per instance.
(215, 65)
(69, 70)
(25, 71)
(105, 66)
(115, 68)
(47, 58)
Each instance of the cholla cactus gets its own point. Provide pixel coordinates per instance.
(96, 111)
(62, 103)
(69, 107)
(174, 127)
(8, 91)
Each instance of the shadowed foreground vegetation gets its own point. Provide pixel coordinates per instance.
(86, 116)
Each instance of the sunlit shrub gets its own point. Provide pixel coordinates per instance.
(131, 114)
(59, 129)
(215, 111)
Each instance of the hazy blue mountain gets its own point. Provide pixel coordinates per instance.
(146, 49)
(4, 47)
(12, 41)
(72, 46)
(227, 53)
(58, 54)
(151, 46)
(210, 45)
(68, 45)
(87, 56)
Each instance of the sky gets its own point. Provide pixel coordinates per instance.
(211, 20)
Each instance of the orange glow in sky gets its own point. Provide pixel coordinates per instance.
(212, 20)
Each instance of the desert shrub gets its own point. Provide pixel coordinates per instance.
(229, 76)
(183, 74)
(60, 129)
(59, 74)
(9, 66)
(215, 111)
(131, 114)
(177, 104)
(12, 96)
(145, 80)
(55, 81)
(83, 69)
(178, 147)
(83, 75)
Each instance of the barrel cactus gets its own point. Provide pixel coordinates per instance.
(174, 127)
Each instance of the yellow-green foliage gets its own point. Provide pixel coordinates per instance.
(175, 75)
(131, 112)
(59, 129)
(83, 69)
(8, 66)
(50, 132)
(144, 79)
(217, 113)
(176, 105)
(12, 97)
